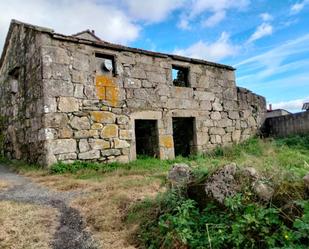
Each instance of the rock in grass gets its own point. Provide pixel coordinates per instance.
(222, 183)
(306, 181)
(180, 174)
(251, 172)
(263, 191)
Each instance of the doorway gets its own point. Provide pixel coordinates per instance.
(183, 133)
(146, 137)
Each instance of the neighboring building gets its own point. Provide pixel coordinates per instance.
(280, 123)
(65, 98)
(306, 106)
(276, 113)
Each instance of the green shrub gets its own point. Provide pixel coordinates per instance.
(179, 223)
(296, 141)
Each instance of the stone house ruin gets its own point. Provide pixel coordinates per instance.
(65, 98)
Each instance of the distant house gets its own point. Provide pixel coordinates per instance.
(276, 113)
(306, 106)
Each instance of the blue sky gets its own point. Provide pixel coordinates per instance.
(267, 41)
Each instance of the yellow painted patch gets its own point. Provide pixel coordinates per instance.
(167, 141)
(110, 131)
(107, 89)
(102, 117)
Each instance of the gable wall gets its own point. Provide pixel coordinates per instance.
(21, 103)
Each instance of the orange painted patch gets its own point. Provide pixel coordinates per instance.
(107, 89)
(167, 141)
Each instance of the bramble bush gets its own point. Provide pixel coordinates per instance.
(179, 223)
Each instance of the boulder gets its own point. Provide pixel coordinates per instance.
(263, 190)
(222, 183)
(227, 182)
(179, 174)
(251, 172)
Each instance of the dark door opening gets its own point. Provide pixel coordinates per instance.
(183, 132)
(146, 137)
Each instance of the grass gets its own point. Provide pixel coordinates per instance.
(107, 203)
(118, 197)
(289, 156)
(4, 185)
(25, 226)
(285, 157)
(106, 198)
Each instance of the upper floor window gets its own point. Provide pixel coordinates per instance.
(105, 64)
(180, 76)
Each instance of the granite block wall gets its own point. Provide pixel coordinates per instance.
(21, 96)
(67, 108)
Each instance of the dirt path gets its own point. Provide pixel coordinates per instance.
(71, 231)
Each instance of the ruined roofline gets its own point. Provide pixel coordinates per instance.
(87, 31)
(8, 36)
(246, 90)
(104, 44)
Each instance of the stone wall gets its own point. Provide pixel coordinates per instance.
(91, 116)
(87, 115)
(21, 96)
(297, 123)
(252, 111)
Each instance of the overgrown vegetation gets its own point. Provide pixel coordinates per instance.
(117, 202)
(173, 220)
(141, 164)
(286, 158)
(280, 158)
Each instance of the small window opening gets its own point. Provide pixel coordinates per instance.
(180, 76)
(183, 134)
(105, 64)
(14, 73)
(14, 77)
(146, 136)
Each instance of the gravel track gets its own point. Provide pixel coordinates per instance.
(71, 231)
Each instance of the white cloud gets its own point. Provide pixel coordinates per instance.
(272, 61)
(152, 10)
(293, 105)
(68, 17)
(263, 30)
(289, 22)
(199, 6)
(266, 17)
(184, 24)
(215, 51)
(297, 7)
(213, 20)
(282, 70)
(217, 9)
